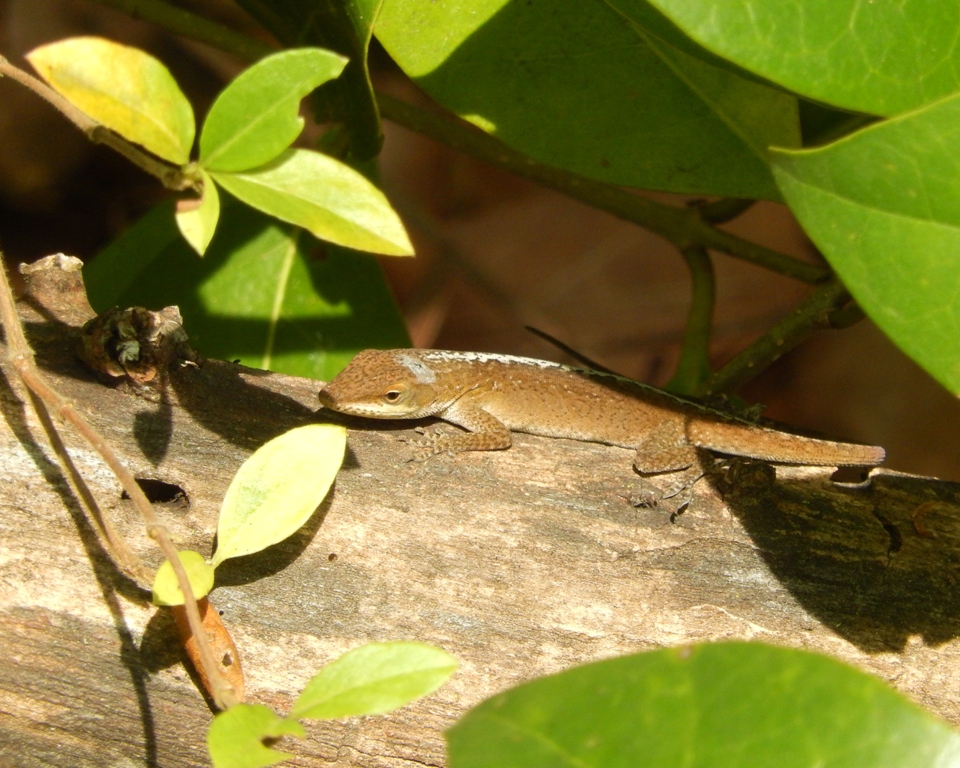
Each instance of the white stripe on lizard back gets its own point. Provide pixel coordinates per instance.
(484, 357)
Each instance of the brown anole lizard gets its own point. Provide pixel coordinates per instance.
(489, 395)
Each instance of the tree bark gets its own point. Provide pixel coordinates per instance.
(520, 563)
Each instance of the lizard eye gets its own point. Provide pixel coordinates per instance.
(392, 395)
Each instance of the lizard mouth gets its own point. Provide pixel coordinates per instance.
(351, 410)
(329, 402)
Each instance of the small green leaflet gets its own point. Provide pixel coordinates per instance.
(373, 679)
(235, 738)
(369, 680)
(256, 117)
(197, 219)
(278, 488)
(345, 26)
(324, 196)
(166, 589)
(124, 89)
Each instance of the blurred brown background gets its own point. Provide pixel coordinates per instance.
(495, 253)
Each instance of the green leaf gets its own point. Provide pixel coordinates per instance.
(236, 736)
(256, 117)
(166, 589)
(265, 293)
(884, 207)
(654, 23)
(727, 705)
(123, 88)
(373, 679)
(278, 488)
(879, 57)
(345, 27)
(197, 219)
(581, 88)
(324, 196)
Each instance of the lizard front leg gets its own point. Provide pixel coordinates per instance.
(486, 432)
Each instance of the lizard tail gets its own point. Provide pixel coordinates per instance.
(758, 442)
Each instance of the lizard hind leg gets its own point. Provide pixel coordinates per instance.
(660, 451)
(663, 450)
(679, 490)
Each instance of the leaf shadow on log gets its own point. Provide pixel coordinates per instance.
(856, 561)
(216, 394)
(217, 397)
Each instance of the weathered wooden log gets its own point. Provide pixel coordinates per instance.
(520, 563)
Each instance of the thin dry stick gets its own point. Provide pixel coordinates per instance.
(22, 357)
(116, 545)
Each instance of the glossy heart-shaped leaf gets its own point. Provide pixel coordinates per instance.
(727, 705)
(884, 207)
(882, 58)
(574, 84)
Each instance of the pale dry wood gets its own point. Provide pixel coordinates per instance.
(520, 563)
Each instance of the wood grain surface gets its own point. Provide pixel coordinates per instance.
(520, 563)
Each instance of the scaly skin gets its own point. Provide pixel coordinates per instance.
(490, 395)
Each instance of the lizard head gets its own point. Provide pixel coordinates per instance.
(382, 384)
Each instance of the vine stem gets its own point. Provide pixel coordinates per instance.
(828, 307)
(194, 26)
(684, 227)
(46, 397)
(693, 369)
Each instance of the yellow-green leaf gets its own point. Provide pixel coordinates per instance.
(278, 488)
(236, 737)
(166, 589)
(124, 89)
(324, 196)
(374, 679)
(197, 219)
